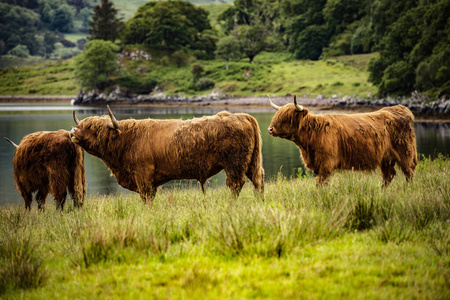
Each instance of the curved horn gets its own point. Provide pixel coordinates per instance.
(75, 118)
(12, 143)
(273, 104)
(115, 123)
(297, 107)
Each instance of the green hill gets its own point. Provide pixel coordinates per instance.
(275, 73)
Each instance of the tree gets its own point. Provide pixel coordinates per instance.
(228, 48)
(63, 19)
(18, 25)
(105, 24)
(251, 39)
(170, 25)
(97, 64)
(50, 39)
(414, 52)
(84, 16)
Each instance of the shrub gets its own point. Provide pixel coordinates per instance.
(204, 84)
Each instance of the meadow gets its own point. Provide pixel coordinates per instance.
(274, 73)
(350, 239)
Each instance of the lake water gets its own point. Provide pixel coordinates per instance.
(18, 120)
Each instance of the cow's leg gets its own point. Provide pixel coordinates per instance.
(75, 196)
(60, 199)
(202, 185)
(40, 198)
(235, 181)
(28, 198)
(407, 166)
(257, 178)
(388, 171)
(147, 194)
(322, 177)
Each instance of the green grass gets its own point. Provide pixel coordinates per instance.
(274, 73)
(349, 240)
(50, 78)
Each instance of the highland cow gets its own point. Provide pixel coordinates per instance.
(48, 162)
(363, 141)
(144, 154)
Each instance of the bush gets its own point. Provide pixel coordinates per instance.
(137, 85)
(204, 84)
(20, 51)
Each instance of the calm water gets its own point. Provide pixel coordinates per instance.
(16, 121)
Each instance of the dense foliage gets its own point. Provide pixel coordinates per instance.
(95, 66)
(171, 25)
(412, 37)
(105, 24)
(30, 23)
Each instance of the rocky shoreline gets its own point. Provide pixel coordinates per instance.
(417, 103)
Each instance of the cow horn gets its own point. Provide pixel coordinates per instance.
(115, 123)
(273, 104)
(12, 143)
(297, 107)
(75, 118)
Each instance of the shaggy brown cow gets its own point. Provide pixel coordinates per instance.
(144, 154)
(48, 162)
(360, 141)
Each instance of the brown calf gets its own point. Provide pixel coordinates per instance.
(48, 162)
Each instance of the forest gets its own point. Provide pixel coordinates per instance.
(411, 37)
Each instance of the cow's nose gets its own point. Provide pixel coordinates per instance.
(270, 129)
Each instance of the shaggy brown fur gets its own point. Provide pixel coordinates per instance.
(144, 154)
(48, 162)
(350, 142)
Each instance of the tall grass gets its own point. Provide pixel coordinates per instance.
(182, 223)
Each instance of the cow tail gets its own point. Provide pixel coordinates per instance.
(79, 177)
(256, 162)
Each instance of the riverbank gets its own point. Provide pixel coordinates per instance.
(437, 111)
(350, 239)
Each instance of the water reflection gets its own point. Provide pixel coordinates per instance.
(16, 121)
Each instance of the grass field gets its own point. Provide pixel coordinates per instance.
(348, 240)
(275, 73)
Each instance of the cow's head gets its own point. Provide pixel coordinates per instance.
(285, 122)
(94, 134)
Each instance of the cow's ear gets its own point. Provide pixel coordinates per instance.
(111, 125)
(303, 112)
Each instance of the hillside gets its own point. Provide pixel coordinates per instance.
(275, 73)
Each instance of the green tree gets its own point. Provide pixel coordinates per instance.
(170, 25)
(50, 39)
(18, 25)
(413, 50)
(298, 15)
(228, 48)
(98, 63)
(252, 39)
(84, 16)
(63, 19)
(310, 42)
(105, 23)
